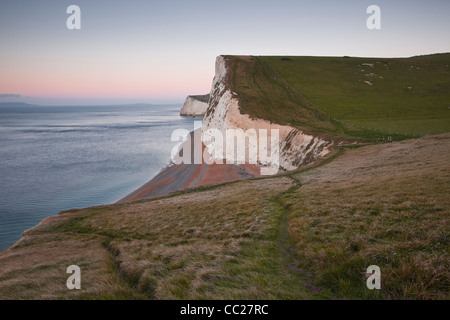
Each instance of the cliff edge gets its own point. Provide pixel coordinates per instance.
(225, 111)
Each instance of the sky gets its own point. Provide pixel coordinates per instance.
(145, 51)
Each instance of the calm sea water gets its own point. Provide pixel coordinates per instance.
(58, 158)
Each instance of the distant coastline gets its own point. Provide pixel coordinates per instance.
(195, 105)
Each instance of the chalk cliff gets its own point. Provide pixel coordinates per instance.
(295, 147)
(195, 105)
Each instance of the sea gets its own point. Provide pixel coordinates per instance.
(55, 158)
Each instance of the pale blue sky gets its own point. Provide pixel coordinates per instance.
(160, 51)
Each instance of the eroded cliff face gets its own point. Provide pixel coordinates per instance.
(195, 105)
(295, 147)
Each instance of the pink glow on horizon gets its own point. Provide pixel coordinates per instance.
(108, 88)
(105, 77)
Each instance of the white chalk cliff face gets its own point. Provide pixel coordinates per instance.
(295, 148)
(195, 106)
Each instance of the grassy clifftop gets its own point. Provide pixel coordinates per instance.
(367, 98)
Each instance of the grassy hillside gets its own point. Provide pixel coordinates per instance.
(368, 98)
(264, 94)
(307, 234)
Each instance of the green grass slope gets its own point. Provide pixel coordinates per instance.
(367, 98)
